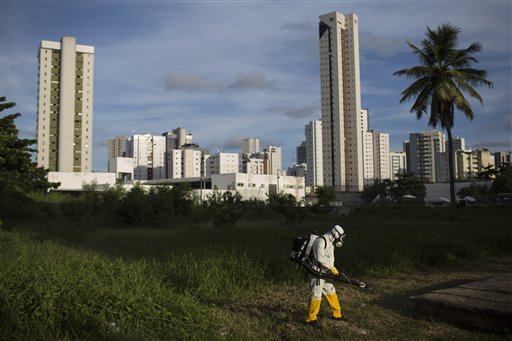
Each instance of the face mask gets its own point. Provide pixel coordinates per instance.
(339, 241)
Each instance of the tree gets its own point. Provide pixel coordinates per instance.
(441, 81)
(479, 192)
(287, 205)
(502, 182)
(182, 199)
(379, 189)
(326, 195)
(408, 184)
(17, 171)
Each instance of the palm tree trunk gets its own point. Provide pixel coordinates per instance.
(450, 167)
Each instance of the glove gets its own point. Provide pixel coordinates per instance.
(334, 271)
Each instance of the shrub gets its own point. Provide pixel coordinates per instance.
(135, 208)
(288, 206)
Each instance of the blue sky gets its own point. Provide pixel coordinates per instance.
(226, 70)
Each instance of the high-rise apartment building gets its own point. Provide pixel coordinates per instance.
(250, 146)
(314, 157)
(253, 165)
(117, 147)
(273, 160)
(298, 170)
(406, 145)
(380, 155)
(64, 109)
(425, 148)
(457, 142)
(467, 164)
(148, 153)
(192, 163)
(301, 153)
(178, 138)
(174, 140)
(501, 158)
(223, 163)
(341, 102)
(397, 164)
(368, 159)
(368, 155)
(186, 162)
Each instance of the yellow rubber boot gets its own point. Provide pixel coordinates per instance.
(334, 304)
(314, 308)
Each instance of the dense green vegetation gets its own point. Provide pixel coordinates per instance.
(71, 279)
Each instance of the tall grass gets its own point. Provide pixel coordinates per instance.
(67, 283)
(48, 291)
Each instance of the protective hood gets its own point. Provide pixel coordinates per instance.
(337, 234)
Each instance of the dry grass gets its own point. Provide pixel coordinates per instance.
(384, 312)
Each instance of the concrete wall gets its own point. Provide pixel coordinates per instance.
(437, 191)
(74, 181)
(257, 186)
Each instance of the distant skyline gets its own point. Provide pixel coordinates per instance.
(232, 70)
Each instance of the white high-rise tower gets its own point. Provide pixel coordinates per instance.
(341, 102)
(64, 112)
(314, 176)
(250, 146)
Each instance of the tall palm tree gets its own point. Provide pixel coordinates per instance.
(441, 81)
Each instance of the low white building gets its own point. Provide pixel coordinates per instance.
(250, 186)
(257, 186)
(75, 181)
(122, 167)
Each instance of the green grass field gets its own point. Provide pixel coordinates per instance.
(197, 282)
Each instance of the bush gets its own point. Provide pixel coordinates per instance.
(288, 206)
(135, 208)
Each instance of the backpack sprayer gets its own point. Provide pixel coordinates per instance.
(301, 254)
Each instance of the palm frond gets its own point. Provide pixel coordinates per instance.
(467, 88)
(415, 89)
(422, 102)
(462, 104)
(414, 72)
(471, 76)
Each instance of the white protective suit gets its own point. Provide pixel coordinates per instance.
(323, 251)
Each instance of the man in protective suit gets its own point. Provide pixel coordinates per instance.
(323, 252)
